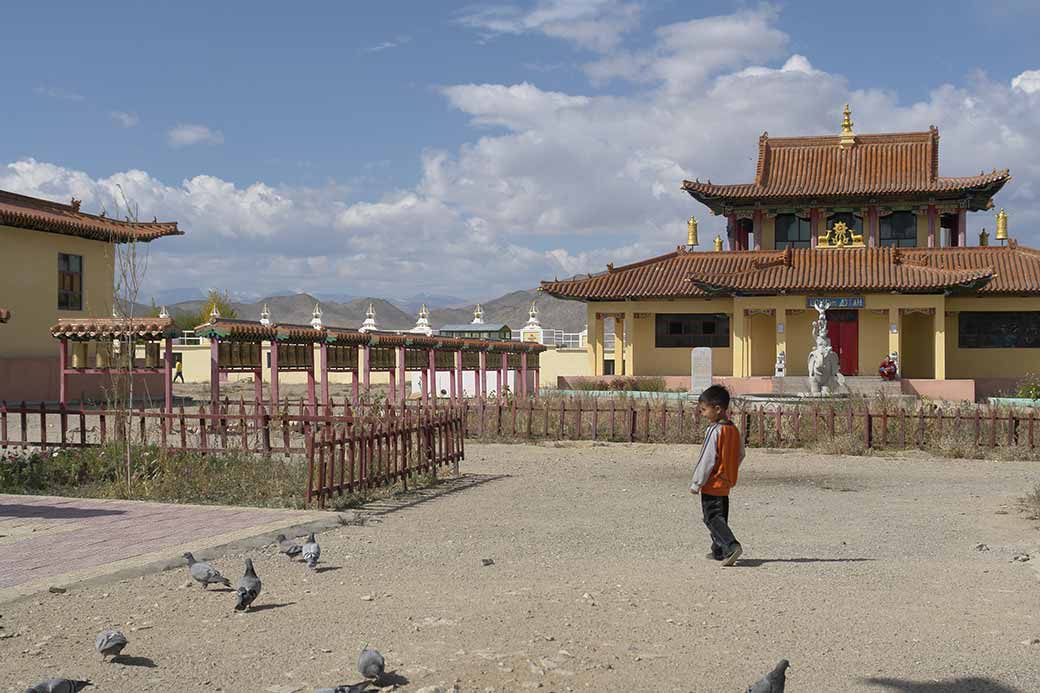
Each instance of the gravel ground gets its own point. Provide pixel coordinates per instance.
(864, 572)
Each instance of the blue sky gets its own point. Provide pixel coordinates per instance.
(468, 148)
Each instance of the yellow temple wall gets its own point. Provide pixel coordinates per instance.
(29, 266)
(873, 341)
(988, 363)
(768, 240)
(922, 230)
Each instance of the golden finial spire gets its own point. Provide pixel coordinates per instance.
(848, 137)
(718, 244)
(983, 237)
(691, 232)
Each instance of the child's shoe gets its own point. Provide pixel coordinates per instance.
(733, 556)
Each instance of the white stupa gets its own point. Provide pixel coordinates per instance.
(370, 320)
(532, 331)
(214, 314)
(316, 317)
(422, 324)
(163, 313)
(478, 315)
(265, 316)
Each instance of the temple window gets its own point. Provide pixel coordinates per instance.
(898, 229)
(998, 330)
(687, 330)
(792, 231)
(852, 221)
(70, 282)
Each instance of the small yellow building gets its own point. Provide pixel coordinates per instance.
(862, 223)
(55, 262)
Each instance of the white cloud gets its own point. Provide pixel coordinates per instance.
(1028, 81)
(387, 45)
(57, 93)
(126, 120)
(187, 134)
(593, 24)
(559, 183)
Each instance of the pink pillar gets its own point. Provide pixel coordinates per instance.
(451, 385)
(402, 377)
(274, 375)
(355, 386)
(814, 226)
(503, 374)
(872, 230)
(214, 372)
(458, 375)
(425, 386)
(168, 373)
(932, 223)
(523, 374)
(537, 381)
(324, 365)
(63, 365)
(366, 367)
(756, 228)
(311, 404)
(393, 387)
(482, 375)
(258, 385)
(962, 227)
(433, 378)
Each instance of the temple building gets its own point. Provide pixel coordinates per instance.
(863, 223)
(57, 264)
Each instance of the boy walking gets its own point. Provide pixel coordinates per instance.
(716, 472)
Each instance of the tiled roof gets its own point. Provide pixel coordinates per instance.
(5, 315)
(109, 328)
(23, 212)
(236, 330)
(345, 335)
(884, 165)
(989, 270)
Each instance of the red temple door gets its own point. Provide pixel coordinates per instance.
(843, 329)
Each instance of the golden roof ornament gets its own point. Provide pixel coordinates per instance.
(691, 233)
(1002, 234)
(848, 137)
(840, 236)
(718, 244)
(983, 238)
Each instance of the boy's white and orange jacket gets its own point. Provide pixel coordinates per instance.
(719, 462)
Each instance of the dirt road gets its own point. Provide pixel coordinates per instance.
(864, 572)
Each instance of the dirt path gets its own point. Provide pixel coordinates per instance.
(857, 569)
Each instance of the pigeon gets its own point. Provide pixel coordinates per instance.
(248, 588)
(355, 688)
(109, 643)
(311, 552)
(59, 686)
(370, 664)
(774, 681)
(205, 573)
(287, 546)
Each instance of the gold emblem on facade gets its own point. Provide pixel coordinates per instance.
(840, 236)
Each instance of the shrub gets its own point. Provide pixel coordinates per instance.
(842, 444)
(1030, 503)
(1029, 386)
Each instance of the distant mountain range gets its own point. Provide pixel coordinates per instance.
(396, 314)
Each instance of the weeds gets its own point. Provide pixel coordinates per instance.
(1030, 503)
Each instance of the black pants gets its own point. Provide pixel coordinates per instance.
(716, 519)
(178, 375)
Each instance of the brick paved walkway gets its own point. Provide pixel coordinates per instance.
(48, 540)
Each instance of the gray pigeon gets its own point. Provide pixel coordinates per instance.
(355, 688)
(370, 664)
(774, 681)
(59, 686)
(205, 573)
(109, 643)
(248, 588)
(287, 546)
(311, 552)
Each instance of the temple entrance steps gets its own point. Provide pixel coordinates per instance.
(861, 385)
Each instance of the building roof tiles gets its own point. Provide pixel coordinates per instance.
(110, 328)
(881, 165)
(24, 212)
(991, 270)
